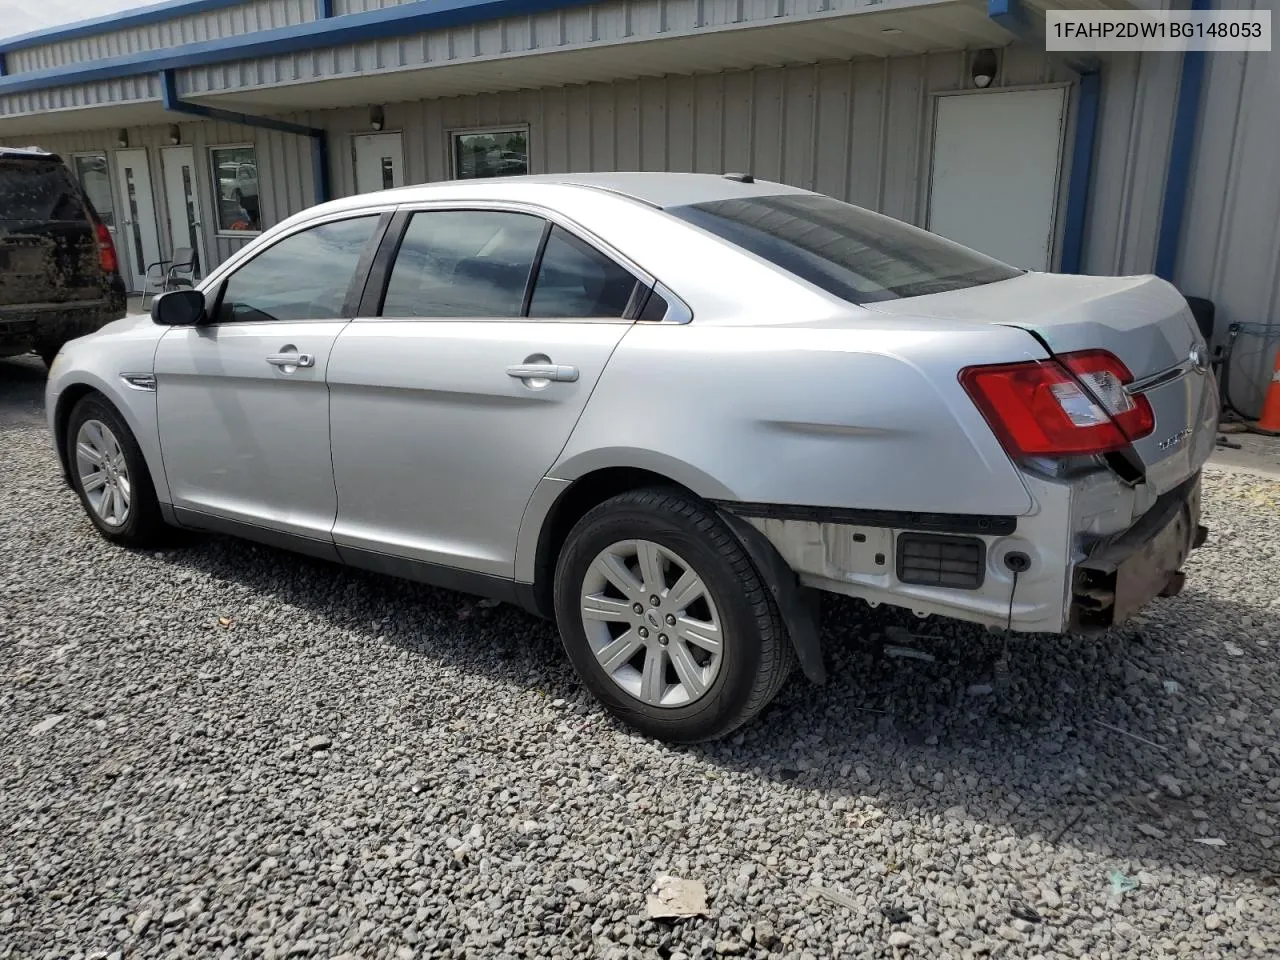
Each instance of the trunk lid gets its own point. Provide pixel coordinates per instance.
(48, 249)
(1142, 320)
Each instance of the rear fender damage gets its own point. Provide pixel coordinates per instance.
(799, 605)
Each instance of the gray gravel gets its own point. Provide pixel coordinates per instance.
(226, 751)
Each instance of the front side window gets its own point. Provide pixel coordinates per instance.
(235, 179)
(490, 153)
(576, 280)
(91, 171)
(848, 251)
(463, 263)
(303, 277)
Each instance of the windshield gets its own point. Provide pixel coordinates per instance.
(848, 251)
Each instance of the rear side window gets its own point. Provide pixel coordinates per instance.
(303, 277)
(38, 191)
(575, 280)
(463, 263)
(848, 251)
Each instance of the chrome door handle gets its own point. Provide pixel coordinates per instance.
(559, 372)
(291, 360)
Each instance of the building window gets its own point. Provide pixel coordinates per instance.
(235, 177)
(91, 171)
(490, 153)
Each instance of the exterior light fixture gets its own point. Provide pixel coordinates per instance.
(175, 134)
(376, 119)
(122, 137)
(984, 68)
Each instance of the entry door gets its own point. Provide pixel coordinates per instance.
(141, 244)
(379, 161)
(997, 158)
(242, 404)
(183, 201)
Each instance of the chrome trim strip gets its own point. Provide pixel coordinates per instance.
(1159, 379)
(145, 382)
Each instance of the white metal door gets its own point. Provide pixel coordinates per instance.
(183, 200)
(140, 238)
(379, 161)
(997, 158)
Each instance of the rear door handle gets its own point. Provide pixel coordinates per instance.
(291, 360)
(559, 372)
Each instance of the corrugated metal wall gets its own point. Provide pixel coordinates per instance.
(246, 17)
(1231, 236)
(341, 7)
(859, 130)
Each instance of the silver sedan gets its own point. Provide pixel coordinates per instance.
(668, 411)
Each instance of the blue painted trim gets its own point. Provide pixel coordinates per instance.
(324, 9)
(1, 63)
(155, 13)
(1087, 102)
(320, 165)
(1010, 15)
(1177, 182)
(319, 137)
(407, 18)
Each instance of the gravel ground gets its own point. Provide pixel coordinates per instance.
(227, 751)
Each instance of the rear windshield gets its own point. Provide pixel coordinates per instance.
(38, 191)
(853, 253)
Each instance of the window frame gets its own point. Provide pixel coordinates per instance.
(451, 140)
(217, 188)
(217, 282)
(111, 190)
(380, 274)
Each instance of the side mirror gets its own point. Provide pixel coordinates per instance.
(178, 308)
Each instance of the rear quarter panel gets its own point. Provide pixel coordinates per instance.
(849, 411)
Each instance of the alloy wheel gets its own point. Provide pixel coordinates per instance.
(103, 472)
(652, 623)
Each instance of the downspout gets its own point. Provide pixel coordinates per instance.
(1011, 15)
(1078, 189)
(319, 137)
(324, 9)
(1177, 184)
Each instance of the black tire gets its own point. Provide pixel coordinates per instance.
(757, 654)
(143, 525)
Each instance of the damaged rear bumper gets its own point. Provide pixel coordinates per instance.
(1121, 574)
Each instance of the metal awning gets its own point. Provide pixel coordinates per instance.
(562, 45)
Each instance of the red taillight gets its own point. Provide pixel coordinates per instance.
(106, 249)
(1042, 409)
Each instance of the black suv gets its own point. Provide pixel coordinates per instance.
(59, 277)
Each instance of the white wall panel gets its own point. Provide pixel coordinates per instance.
(247, 17)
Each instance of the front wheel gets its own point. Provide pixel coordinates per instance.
(111, 476)
(665, 618)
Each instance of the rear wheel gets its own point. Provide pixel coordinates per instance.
(665, 618)
(111, 476)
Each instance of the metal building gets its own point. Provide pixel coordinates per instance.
(196, 123)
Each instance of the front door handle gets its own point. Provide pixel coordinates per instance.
(559, 372)
(285, 360)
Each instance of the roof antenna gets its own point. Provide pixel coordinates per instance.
(740, 177)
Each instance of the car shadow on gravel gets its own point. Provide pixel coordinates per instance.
(1131, 742)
